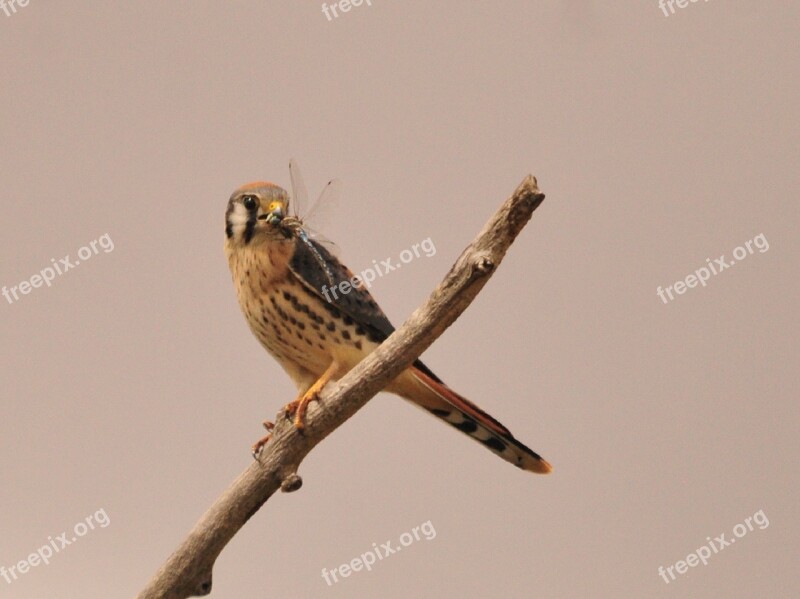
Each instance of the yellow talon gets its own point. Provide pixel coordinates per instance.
(299, 406)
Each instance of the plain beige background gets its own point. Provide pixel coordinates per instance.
(133, 384)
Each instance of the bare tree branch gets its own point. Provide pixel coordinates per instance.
(188, 571)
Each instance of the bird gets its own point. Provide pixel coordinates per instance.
(280, 274)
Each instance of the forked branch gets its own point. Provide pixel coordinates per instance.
(188, 571)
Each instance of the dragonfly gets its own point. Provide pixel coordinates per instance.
(295, 224)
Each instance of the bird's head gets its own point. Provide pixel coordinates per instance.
(256, 210)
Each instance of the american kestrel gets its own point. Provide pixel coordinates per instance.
(280, 275)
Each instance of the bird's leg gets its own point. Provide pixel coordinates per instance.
(259, 445)
(299, 406)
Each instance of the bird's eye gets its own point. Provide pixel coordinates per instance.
(249, 202)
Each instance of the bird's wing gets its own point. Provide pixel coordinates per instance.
(358, 304)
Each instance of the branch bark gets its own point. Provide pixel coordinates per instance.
(188, 571)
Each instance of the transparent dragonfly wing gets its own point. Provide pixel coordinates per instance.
(320, 212)
(326, 204)
(315, 216)
(299, 199)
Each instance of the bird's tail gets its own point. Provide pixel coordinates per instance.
(432, 395)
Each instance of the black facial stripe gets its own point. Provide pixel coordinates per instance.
(250, 228)
(228, 225)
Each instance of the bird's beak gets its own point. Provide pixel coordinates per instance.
(274, 214)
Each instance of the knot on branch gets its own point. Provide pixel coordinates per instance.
(291, 483)
(483, 265)
(203, 588)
